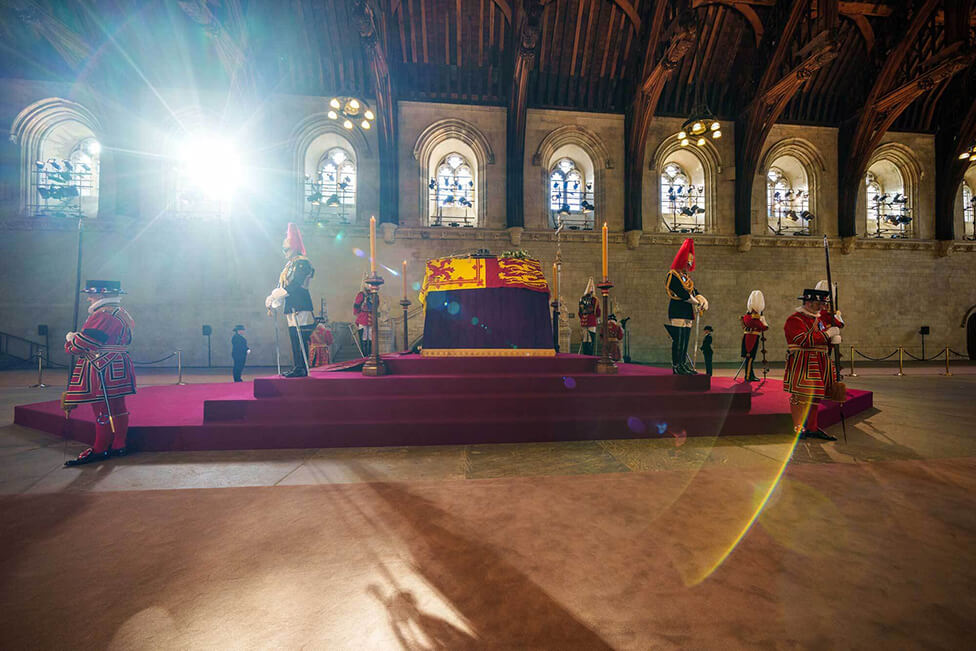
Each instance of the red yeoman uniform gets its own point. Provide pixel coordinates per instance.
(318, 345)
(809, 373)
(808, 368)
(103, 369)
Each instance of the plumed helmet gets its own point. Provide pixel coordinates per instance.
(293, 240)
(685, 254)
(756, 302)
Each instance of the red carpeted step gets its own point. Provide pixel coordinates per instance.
(472, 406)
(447, 432)
(355, 384)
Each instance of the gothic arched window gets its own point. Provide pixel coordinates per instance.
(453, 196)
(85, 159)
(682, 203)
(570, 196)
(336, 191)
(968, 212)
(787, 206)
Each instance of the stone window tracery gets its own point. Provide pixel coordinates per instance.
(682, 202)
(570, 196)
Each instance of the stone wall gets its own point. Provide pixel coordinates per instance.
(183, 274)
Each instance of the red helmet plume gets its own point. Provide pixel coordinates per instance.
(293, 240)
(685, 253)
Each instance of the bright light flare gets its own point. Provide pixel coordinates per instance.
(212, 165)
(93, 147)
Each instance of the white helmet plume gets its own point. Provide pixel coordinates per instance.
(590, 288)
(756, 302)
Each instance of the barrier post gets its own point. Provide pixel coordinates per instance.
(901, 361)
(853, 373)
(947, 373)
(179, 366)
(40, 374)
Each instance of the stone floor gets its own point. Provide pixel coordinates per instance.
(899, 427)
(736, 542)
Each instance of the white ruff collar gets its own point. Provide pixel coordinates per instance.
(803, 310)
(111, 300)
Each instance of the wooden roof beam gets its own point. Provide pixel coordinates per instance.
(526, 43)
(654, 75)
(773, 94)
(884, 103)
(385, 111)
(744, 7)
(951, 141)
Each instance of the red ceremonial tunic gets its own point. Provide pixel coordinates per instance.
(808, 368)
(318, 345)
(360, 308)
(589, 311)
(752, 328)
(615, 334)
(101, 345)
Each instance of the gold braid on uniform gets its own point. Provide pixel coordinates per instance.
(289, 271)
(687, 283)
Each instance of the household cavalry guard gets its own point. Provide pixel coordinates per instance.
(753, 325)
(103, 375)
(292, 289)
(684, 306)
(809, 375)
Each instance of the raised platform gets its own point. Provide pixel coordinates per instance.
(444, 401)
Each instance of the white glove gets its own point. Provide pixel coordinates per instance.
(838, 317)
(835, 340)
(70, 336)
(276, 299)
(702, 301)
(763, 320)
(833, 332)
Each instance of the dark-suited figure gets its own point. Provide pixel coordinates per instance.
(706, 349)
(238, 352)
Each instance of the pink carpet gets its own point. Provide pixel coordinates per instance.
(444, 401)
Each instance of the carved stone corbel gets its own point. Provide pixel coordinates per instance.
(389, 232)
(943, 248)
(633, 238)
(515, 235)
(847, 245)
(743, 243)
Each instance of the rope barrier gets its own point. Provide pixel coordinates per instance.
(875, 359)
(41, 360)
(157, 361)
(925, 359)
(959, 355)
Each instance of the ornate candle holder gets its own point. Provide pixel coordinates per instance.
(605, 365)
(374, 366)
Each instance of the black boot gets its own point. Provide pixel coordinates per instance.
(686, 366)
(750, 373)
(675, 334)
(88, 456)
(817, 434)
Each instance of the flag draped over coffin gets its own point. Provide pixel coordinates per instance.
(443, 274)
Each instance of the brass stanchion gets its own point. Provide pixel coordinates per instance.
(852, 373)
(40, 374)
(605, 365)
(901, 361)
(406, 342)
(179, 368)
(947, 373)
(374, 366)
